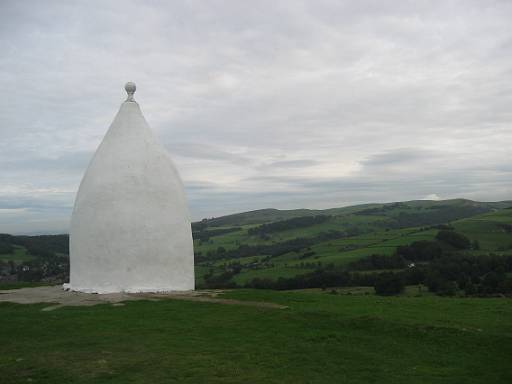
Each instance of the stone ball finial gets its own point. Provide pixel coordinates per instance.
(130, 89)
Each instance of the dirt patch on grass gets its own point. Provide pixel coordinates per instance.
(59, 297)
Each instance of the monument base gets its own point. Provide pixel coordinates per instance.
(68, 287)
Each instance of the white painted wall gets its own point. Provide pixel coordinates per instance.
(130, 229)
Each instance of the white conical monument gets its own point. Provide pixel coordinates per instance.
(130, 229)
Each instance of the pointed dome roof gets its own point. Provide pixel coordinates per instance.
(130, 228)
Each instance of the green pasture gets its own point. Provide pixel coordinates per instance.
(488, 229)
(319, 338)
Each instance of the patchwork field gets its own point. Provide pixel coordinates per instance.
(270, 244)
(347, 235)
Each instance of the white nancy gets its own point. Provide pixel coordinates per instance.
(130, 229)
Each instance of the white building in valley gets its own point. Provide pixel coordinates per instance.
(130, 229)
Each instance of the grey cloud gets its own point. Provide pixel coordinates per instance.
(70, 162)
(288, 104)
(206, 152)
(293, 163)
(397, 156)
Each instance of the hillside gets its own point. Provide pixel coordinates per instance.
(262, 216)
(301, 244)
(270, 244)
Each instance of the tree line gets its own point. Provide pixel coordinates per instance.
(283, 225)
(437, 264)
(204, 235)
(50, 252)
(447, 275)
(273, 250)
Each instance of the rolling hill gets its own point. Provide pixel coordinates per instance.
(273, 244)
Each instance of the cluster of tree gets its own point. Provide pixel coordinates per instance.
(418, 251)
(5, 248)
(7, 268)
(447, 272)
(435, 215)
(253, 217)
(224, 279)
(475, 275)
(422, 262)
(323, 277)
(39, 245)
(487, 274)
(308, 265)
(395, 261)
(388, 284)
(51, 260)
(283, 225)
(47, 267)
(415, 218)
(273, 250)
(455, 239)
(199, 225)
(378, 211)
(307, 254)
(447, 227)
(422, 250)
(205, 235)
(320, 278)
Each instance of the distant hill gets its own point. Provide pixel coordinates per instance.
(267, 215)
(273, 243)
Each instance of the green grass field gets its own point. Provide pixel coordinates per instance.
(378, 238)
(320, 338)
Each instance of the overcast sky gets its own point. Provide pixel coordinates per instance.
(284, 104)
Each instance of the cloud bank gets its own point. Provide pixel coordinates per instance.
(281, 104)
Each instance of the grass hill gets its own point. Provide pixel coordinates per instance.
(271, 244)
(259, 216)
(262, 216)
(290, 243)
